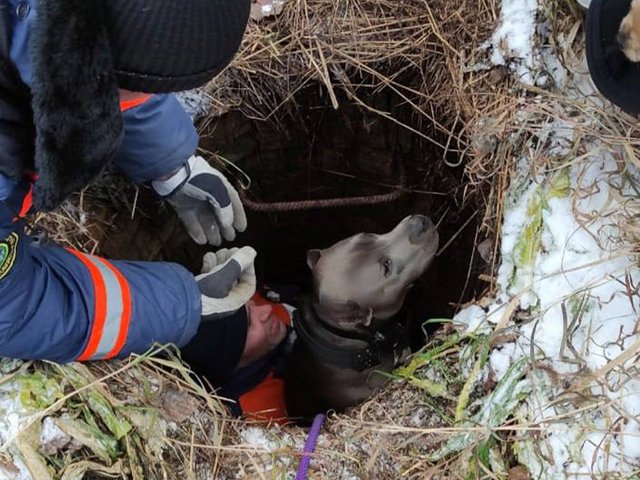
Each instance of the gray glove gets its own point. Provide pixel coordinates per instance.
(227, 282)
(205, 201)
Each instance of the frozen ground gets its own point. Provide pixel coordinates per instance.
(567, 269)
(512, 40)
(567, 266)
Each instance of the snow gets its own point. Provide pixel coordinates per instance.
(266, 8)
(13, 415)
(17, 471)
(257, 437)
(512, 40)
(50, 431)
(13, 418)
(473, 317)
(576, 290)
(52, 438)
(566, 262)
(500, 360)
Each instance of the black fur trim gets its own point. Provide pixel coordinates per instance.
(75, 98)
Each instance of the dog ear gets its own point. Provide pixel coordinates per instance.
(312, 257)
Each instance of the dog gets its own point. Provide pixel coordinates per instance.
(346, 329)
(629, 33)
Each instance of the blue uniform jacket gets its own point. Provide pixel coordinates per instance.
(61, 305)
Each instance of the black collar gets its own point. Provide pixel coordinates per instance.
(392, 338)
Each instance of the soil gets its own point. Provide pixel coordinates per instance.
(324, 153)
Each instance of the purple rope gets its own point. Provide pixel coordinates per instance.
(309, 447)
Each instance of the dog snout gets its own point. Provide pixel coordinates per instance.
(421, 224)
(421, 230)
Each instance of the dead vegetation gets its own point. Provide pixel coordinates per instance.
(425, 53)
(142, 418)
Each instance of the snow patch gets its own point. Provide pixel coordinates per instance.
(257, 437)
(512, 41)
(52, 438)
(566, 266)
(13, 415)
(473, 318)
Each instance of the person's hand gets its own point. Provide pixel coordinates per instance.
(227, 282)
(208, 205)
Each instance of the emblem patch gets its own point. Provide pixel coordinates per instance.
(8, 248)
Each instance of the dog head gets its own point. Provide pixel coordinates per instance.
(362, 280)
(629, 33)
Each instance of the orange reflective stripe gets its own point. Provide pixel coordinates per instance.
(27, 203)
(133, 103)
(100, 307)
(112, 313)
(126, 310)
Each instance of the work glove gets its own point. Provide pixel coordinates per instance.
(205, 201)
(227, 282)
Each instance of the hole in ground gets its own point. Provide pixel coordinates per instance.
(326, 153)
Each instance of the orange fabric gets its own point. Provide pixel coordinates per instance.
(126, 313)
(100, 308)
(128, 104)
(278, 309)
(27, 203)
(265, 403)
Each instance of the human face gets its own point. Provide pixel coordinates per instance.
(264, 333)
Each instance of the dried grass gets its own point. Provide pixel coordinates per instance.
(424, 52)
(415, 48)
(82, 220)
(141, 418)
(494, 123)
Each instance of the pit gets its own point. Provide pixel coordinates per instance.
(407, 107)
(323, 153)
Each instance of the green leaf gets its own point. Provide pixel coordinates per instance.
(37, 391)
(528, 243)
(96, 401)
(560, 185)
(103, 446)
(463, 398)
(496, 409)
(432, 388)
(423, 358)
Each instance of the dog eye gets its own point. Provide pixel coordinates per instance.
(386, 264)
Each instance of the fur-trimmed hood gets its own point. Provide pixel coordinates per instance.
(82, 50)
(75, 98)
